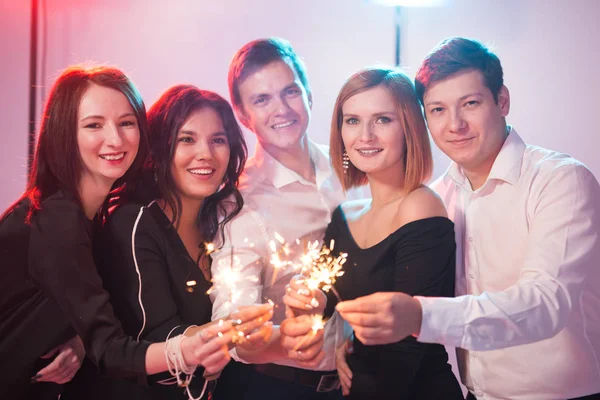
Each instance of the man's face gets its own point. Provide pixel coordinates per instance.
(465, 121)
(275, 106)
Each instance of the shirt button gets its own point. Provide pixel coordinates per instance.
(472, 275)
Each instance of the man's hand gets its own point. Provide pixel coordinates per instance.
(302, 343)
(344, 371)
(382, 318)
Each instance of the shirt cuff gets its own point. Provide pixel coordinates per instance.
(443, 321)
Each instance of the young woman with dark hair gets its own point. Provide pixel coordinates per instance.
(92, 140)
(153, 255)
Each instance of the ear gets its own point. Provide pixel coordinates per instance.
(504, 100)
(241, 116)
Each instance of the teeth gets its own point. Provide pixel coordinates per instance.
(370, 151)
(113, 157)
(284, 125)
(202, 171)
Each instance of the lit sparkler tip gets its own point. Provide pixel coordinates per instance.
(210, 247)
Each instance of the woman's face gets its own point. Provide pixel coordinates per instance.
(372, 131)
(108, 134)
(201, 155)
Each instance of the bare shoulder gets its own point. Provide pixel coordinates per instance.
(420, 204)
(354, 209)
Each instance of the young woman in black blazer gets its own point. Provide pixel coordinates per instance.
(153, 256)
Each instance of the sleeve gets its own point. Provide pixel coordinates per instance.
(242, 253)
(62, 265)
(562, 250)
(134, 254)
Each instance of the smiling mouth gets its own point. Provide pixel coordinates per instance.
(283, 124)
(113, 157)
(202, 171)
(368, 152)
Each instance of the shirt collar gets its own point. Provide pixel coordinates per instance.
(279, 175)
(506, 167)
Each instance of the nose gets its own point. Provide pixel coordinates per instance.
(457, 122)
(366, 132)
(204, 150)
(282, 106)
(114, 136)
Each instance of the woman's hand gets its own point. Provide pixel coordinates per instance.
(253, 326)
(209, 347)
(344, 371)
(300, 300)
(66, 364)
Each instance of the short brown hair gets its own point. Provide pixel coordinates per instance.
(256, 54)
(457, 54)
(418, 162)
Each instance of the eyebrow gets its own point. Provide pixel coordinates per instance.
(432, 103)
(102, 117)
(377, 114)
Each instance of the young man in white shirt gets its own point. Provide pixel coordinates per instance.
(526, 318)
(290, 190)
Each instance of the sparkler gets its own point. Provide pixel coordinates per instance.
(321, 268)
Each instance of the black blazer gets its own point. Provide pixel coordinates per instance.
(148, 272)
(50, 291)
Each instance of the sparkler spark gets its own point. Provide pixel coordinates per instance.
(321, 268)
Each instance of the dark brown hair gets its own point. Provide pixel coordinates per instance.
(57, 164)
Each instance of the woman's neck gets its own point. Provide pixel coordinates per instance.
(93, 193)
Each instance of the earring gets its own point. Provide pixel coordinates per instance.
(345, 161)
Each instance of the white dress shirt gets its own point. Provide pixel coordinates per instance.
(527, 277)
(277, 200)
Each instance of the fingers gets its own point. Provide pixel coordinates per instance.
(298, 326)
(373, 336)
(308, 351)
(344, 371)
(255, 323)
(248, 313)
(365, 304)
(296, 343)
(215, 362)
(61, 369)
(371, 320)
(313, 363)
(262, 336)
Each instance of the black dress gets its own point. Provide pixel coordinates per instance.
(417, 259)
(49, 292)
(157, 290)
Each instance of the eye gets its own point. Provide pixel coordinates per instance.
(260, 101)
(292, 91)
(129, 123)
(351, 121)
(93, 125)
(471, 103)
(220, 140)
(436, 110)
(186, 139)
(383, 120)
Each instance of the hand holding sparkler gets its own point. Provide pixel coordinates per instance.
(300, 300)
(302, 338)
(253, 325)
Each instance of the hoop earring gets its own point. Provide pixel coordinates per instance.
(345, 161)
